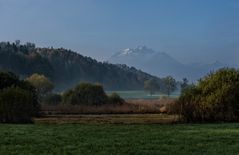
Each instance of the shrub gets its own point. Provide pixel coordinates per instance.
(41, 83)
(114, 98)
(8, 79)
(16, 105)
(52, 99)
(86, 93)
(90, 94)
(18, 99)
(215, 98)
(188, 103)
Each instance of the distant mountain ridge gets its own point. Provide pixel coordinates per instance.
(67, 68)
(161, 64)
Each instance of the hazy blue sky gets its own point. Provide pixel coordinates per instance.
(189, 30)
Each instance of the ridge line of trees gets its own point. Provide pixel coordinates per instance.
(66, 68)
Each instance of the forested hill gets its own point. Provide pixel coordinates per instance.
(67, 68)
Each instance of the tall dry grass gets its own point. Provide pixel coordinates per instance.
(130, 107)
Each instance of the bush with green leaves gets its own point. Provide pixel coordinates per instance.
(114, 98)
(8, 79)
(86, 93)
(214, 98)
(41, 83)
(52, 99)
(90, 94)
(16, 105)
(18, 99)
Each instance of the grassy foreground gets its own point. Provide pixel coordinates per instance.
(119, 139)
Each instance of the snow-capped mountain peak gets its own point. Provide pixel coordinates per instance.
(139, 50)
(162, 64)
(126, 51)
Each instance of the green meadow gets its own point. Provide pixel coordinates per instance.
(106, 139)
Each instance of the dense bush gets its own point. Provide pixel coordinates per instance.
(42, 84)
(8, 79)
(114, 98)
(52, 99)
(214, 98)
(16, 105)
(89, 94)
(18, 99)
(86, 93)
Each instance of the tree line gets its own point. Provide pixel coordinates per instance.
(167, 86)
(214, 98)
(20, 100)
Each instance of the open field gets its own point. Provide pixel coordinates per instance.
(119, 139)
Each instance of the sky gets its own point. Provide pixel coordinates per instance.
(189, 30)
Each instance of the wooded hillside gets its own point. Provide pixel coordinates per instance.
(67, 68)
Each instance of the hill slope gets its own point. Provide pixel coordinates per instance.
(67, 68)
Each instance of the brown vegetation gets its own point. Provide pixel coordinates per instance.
(109, 118)
(131, 107)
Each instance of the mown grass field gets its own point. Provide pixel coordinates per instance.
(119, 139)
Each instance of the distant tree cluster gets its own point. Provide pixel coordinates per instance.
(165, 85)
(170, 84)
(23, 59)
(184, 84)
(52, 99)
(18, 99)
(151, 86)
(90, 94)
(214, 98)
